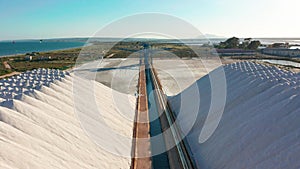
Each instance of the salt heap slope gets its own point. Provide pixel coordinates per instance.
(39, 129)
(260, 125)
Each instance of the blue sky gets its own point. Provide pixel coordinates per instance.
(23, 19)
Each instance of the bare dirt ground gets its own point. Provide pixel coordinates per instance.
(6, 65)
(9, 75)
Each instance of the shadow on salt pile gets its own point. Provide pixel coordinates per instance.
(260, 124)
(133, 66)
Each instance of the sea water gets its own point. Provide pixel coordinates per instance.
(22, 47)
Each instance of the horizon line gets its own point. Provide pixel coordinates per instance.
(197, 38)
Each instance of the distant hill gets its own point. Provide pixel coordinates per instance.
(210, 36)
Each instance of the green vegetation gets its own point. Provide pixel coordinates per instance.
(124, 50)
(253, 45)
(131, 49)
(231, 43)
(173, 49)
(234, 43)
(63, 59)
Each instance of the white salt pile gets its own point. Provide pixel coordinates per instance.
(39, 129)
(260, 126)
(15, 86)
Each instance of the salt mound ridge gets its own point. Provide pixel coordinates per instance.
(39, 129)
(24, 83)
(260, 125)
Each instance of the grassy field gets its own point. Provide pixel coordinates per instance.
(57, 59)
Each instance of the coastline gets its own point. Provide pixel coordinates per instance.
(55, 50)
(55, 64)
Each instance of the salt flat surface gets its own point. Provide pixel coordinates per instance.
(39, 128)
(118, 74)
(260, 125)
(176, 75)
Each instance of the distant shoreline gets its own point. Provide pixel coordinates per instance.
(55, 50)
(41, 49)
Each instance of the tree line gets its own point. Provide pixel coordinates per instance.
(235, 43)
